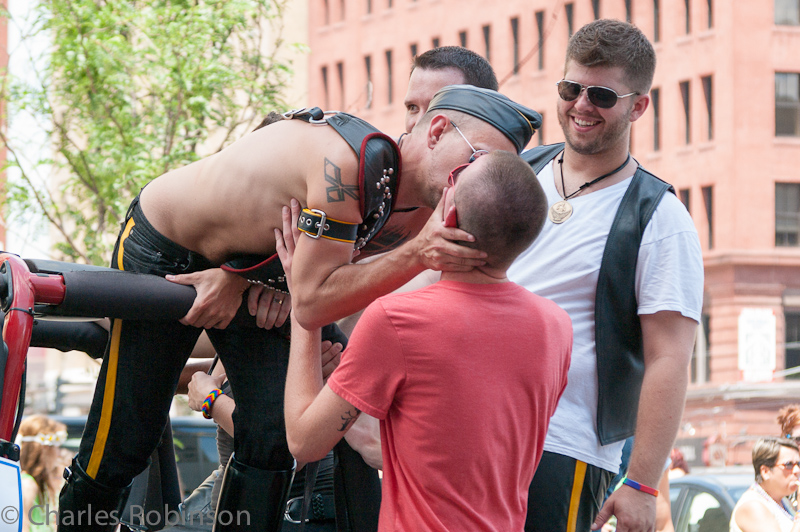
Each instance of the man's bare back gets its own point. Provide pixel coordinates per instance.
(229, 203)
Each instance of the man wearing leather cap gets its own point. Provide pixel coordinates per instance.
(221, 211)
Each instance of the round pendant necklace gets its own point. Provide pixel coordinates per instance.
(561, 210)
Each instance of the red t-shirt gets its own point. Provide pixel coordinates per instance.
(464, 378)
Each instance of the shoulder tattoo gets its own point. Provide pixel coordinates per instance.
(337, 190)
(348, 418)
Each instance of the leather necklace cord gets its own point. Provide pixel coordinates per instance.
(588, 183)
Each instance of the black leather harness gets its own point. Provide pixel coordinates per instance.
(378, 178)
(618, 331)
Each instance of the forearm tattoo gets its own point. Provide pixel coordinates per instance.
(337, 191)
(348, 418)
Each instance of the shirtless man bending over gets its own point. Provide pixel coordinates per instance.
(197, 218)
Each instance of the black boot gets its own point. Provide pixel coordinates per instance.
(252, 499)
(88, 506)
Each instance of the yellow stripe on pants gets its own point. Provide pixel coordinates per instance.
(101, 437)
(575, 498)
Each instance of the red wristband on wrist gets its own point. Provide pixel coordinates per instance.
(640, 487)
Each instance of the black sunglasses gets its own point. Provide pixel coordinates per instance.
(601, 97)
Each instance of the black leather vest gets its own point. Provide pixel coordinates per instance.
(618, 331)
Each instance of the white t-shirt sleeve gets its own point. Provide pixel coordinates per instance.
(669, 271)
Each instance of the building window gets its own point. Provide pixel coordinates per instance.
(326, 11)
(540, 132)
(515, 42)
(686, 109)
(487, 38)
(787, 104)
(707, 92)
(389, 4)
(435, 42)
(596, 9)
(389, 93)
(701, 361)
(708, 200)
(540, 45)
(710, 8)
(792, 319)
(369, 7)
(569, 8)
(413, 51)
(687, 16)
(656, 21)
(787, 214)
(628, 11)
(341, 10)
(462, 38)
(685, 195)
(655, 98)
(340, 75)
(787, 12)
(368, 69)
(325, 89)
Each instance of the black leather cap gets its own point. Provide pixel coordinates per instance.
(515, 121)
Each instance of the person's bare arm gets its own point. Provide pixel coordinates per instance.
(668, 338)
(189, 370)
(663, 506)
(327, 287)
(316, 418)
(365, 438)
(222, 408)
(29, 492)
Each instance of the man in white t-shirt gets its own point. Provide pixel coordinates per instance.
(608, 72)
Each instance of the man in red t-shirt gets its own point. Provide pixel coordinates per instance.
(464, 374)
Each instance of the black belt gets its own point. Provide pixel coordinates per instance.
(322, 509)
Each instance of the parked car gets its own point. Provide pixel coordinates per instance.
(195, 446)
(704, 502)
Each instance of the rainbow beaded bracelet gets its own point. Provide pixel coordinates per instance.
(640, 487)
(209, 401)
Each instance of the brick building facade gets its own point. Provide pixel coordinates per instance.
(723, 128)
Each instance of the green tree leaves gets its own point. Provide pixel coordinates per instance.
(132, 89)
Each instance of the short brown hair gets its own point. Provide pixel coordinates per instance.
(766, 451)
(475, 69)
(613, 43)
(789, 418)
(504, 209)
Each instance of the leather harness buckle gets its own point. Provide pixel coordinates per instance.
(321, 224)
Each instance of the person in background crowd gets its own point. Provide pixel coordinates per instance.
(42, 463)
(789, 420)
(678, 467)
(763, 507)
